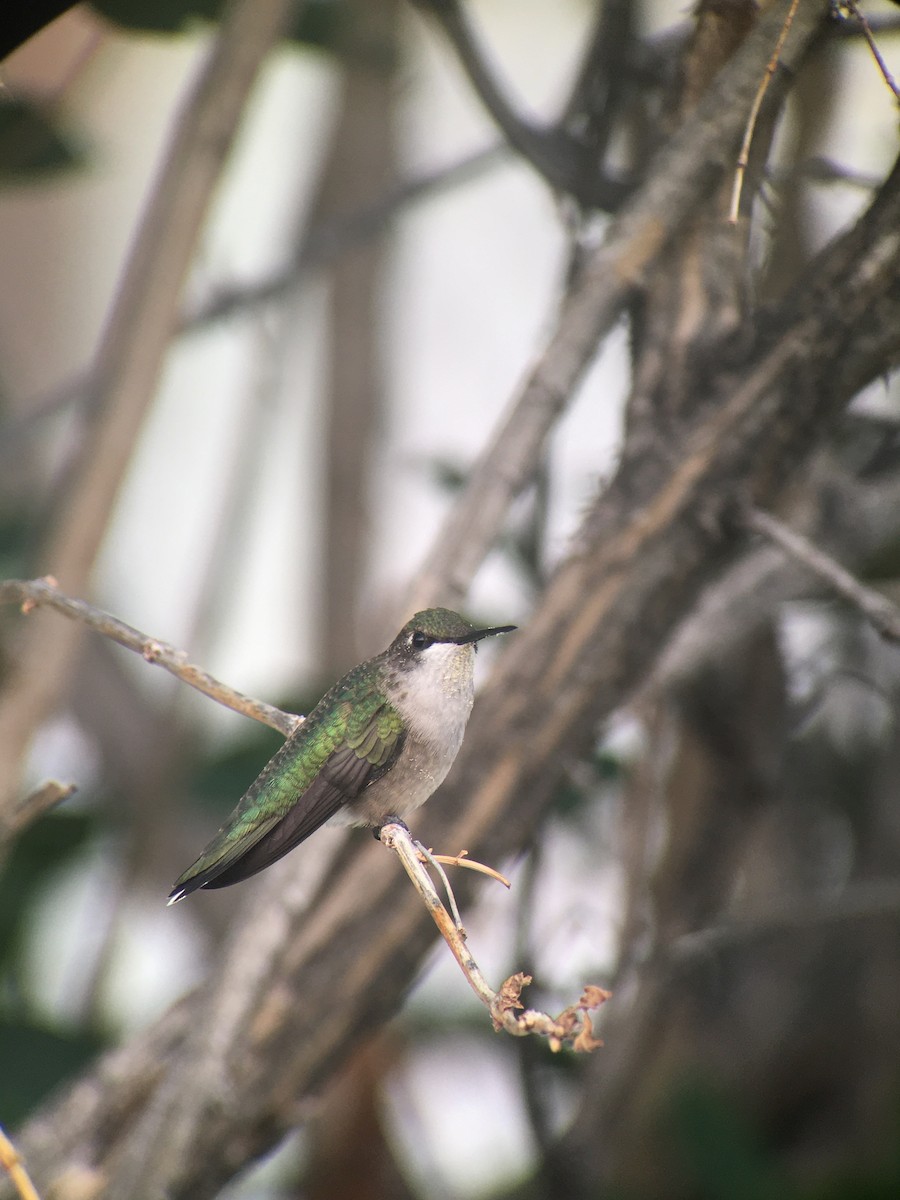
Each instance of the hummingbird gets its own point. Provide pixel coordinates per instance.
(374, 748)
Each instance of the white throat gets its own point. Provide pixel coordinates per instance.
(435, 696)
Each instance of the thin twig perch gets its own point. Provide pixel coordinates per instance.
(462, 860)
(35, 593)
(12, 1163)
(572, 1027)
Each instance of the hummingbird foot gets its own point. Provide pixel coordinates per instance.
(388, 820)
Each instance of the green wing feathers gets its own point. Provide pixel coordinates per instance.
(373, 735)
(342, 747)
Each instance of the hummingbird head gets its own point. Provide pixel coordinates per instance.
(436, 642)
(430, 673)
(441, 627)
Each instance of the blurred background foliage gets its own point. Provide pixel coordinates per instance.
(729, 860)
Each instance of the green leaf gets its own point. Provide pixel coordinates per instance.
(32, 145)
(723, 1155)
(37, 853)
(36, 1060)
(317, 25)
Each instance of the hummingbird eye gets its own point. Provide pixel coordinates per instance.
(420, 640)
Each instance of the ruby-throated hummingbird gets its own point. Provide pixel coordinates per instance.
(374, 748)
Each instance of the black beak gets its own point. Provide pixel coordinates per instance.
(477, 634)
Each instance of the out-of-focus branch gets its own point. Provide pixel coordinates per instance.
(323, 245)
(35, 805)
(361, 161)
(330, 239)
(750, 594)
(552, 151)
(868, 34)
(36, 593)
(595, 98)
(858, 901)
(875, 607)
(692, 162)
(881, 23)
(132, 350)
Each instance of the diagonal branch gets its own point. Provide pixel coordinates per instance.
(685, 171)
(571, 1028)
(875, 607)
(36, 593)
(552, 151)
(132, 349)
(324, 244)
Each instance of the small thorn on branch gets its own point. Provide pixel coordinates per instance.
(573, 1026)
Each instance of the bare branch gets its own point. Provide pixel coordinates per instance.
(685, 171)
(328, 240)
(324, 244)
(572, 1027)
(36, 593)
(823, 170)
(744, 156)
(875, 607)
(867, 33)
(552, 151)
(39, 802)
(858, 901)
(132, 350)
(883, 23)
(462, 860)
(12, 1163)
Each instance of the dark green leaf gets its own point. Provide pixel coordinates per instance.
(718, 1146)
(32, 144)
(317, 26)
(35, 1061)
(39, 851)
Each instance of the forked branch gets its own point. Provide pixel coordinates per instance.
(572, 1027)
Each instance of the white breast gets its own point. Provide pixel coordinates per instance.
(435, 696)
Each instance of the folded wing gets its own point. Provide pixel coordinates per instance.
(305, 783)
